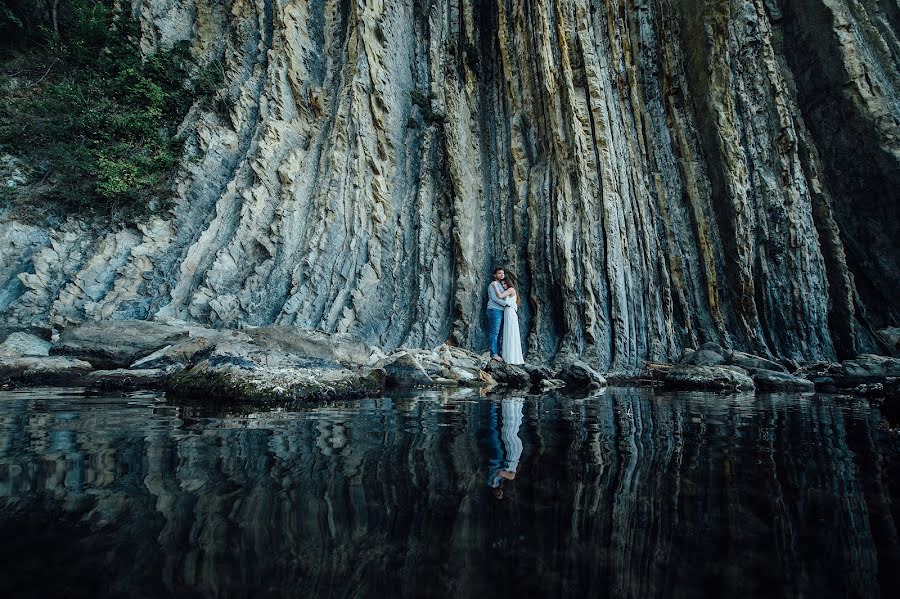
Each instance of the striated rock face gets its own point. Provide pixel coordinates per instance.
(658, 175)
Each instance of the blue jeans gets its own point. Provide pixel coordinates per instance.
(495, 319)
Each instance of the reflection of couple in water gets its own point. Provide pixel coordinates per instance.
(504, 447)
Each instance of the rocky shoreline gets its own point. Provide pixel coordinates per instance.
(279, 363)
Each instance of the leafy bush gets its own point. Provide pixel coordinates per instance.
(94, 120)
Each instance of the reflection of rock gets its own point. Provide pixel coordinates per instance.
(314, 495)
(53, 370)
(713, 378)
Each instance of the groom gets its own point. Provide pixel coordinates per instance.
(495, 314)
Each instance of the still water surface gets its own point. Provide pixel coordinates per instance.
(626, 494)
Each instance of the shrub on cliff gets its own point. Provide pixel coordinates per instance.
(94, 121)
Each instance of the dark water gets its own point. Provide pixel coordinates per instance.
(623, 494)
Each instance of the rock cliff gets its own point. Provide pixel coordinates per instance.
(658, 173)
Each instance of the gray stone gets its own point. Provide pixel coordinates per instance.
(751, 362)
(116, 343)
(508, 374)
(712, 347)
(871, 366)
(404, 370)
(769, 380)
(343, 348)
(578, 374)
(53, 370)
(537, 373)
(705, 357)
(123, 379)
(242, 372)
(23, 344)
(711, 378)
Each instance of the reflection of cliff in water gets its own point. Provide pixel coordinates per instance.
(620, 494)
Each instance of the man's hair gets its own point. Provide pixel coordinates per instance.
(499, 268)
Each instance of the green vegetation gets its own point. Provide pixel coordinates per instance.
(93, 121)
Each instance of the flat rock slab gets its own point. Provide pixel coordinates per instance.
(751, 362)
(578, 374)
(124, 379)
(870, 366)
(245, 373)
(508, 374)
(116, 343)
(343, 348)
(768, 380)
(708, 378)
(24, 344)
(404, 369)
(53, 370)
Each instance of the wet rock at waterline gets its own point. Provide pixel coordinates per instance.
(52, 370)
(510, 375)
(243, 372)
(116, 343)
(578, 374)
(770, 380)
(709, 378)
(23, 344)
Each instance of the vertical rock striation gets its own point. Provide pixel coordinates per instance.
(657, 173)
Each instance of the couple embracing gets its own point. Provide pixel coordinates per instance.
(502, 311)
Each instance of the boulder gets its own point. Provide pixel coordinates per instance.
(52, 370)
(343, 348)
(24, 344)
(41, 332)
(891, 338)
(508, 374)
(116, 343)
(578, 374)
(751, 362)
(770, 380)
(123, 379)
(704, 357)
(177, 354)
(870, 366)
(403, 369)
(537, 373)
(461, 358)
(242, 372)
(709, 378)
(713, 347)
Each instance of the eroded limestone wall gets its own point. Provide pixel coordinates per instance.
(657, 173)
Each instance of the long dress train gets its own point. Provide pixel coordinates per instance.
(512, 341)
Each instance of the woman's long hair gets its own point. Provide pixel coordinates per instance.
(510, 282)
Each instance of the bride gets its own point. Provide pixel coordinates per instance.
(512, 341)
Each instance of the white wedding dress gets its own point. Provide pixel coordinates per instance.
(512, 341)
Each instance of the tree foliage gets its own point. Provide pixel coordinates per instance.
(94, 121)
